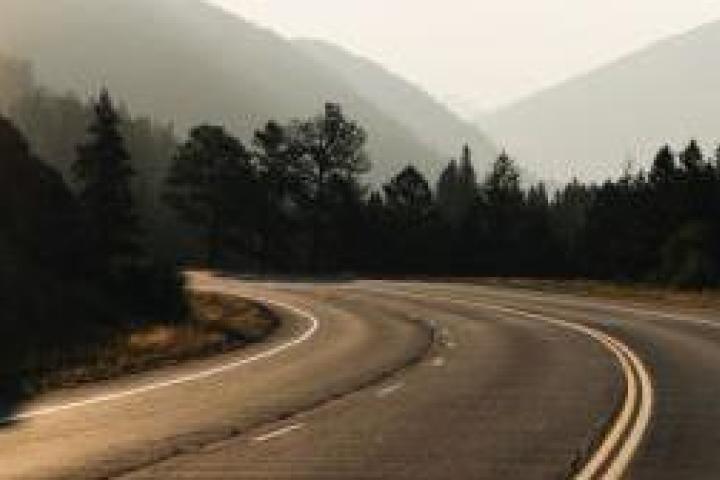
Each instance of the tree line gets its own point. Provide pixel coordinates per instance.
(55, 123)
(76, 266)
(78, 259)
(294, 200)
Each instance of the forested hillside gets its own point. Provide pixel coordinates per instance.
(186, 62)
(294, 201)
(74, 266)
(77, 264)
(56, 123)
(240, 164)
(429, 120)
(594, 125)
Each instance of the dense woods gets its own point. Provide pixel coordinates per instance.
(93, 240)
(295, 201)
(75, 266)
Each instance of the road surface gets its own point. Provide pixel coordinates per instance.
(378, 380)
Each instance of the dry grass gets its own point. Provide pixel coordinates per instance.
(636, 293)
(230, 314)
(220, 323)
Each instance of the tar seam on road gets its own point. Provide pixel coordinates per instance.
(306, 335)
(618, 447)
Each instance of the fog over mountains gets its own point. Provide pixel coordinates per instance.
(425, 117)
(593, 125)
(188, 62)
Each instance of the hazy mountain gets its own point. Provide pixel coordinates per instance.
(425, 117)
(593, 125)
(188, 62)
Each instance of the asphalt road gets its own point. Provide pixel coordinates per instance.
(403, 381)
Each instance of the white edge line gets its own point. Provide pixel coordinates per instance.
(389, 390)
(624, 456)
(567, 300)
(279, 432)
(309, 333)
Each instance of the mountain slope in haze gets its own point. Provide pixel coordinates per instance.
(188, 62)
(425, 117)
(594, 125)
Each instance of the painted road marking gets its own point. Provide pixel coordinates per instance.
(279, 432)
(389, 390)
(563, 299)
(304, 337)
(613, 456)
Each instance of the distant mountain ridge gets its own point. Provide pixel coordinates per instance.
(593, 125)
(429, 120)
(188, 62)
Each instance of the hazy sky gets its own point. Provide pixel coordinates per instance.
(479, 54)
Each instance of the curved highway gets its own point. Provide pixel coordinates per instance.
(407, 380)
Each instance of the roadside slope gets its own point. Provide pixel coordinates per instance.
(109, 428)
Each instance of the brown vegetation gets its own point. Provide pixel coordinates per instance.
(219, 324)
(636, 293)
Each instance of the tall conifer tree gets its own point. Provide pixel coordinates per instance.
(212, 185)
(104, 172)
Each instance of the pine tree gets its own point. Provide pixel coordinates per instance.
(457, 190)
(410, 209)
(212, 186)
(333, 156)
(692, 159)
(103, 172)
(39, 217)
(467, 184)
(330, 145)
(664, 169)
(375, 235)
(281, 186)
(447, 191)
(504, 202)
(502, 185)
(409, 197)
(467, 176)
(41, 257)
(569, 217)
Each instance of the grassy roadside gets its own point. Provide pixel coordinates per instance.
(636, 293)
(220, 323)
